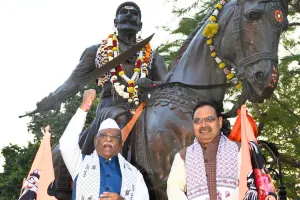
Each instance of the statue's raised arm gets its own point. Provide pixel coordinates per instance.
(76, 81)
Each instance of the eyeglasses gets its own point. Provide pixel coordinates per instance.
(208, 119)
(106, 136)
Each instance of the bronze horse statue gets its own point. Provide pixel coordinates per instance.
(247, 41)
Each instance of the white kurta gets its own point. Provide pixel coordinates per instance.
(72, 156)
(177, 180)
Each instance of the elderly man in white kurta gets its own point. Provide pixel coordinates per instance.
(104, 174)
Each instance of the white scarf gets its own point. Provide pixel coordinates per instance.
(226, 173)
(88, 181)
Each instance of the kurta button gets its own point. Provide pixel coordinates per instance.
(107, 175)
(107, 188)
(205, 160)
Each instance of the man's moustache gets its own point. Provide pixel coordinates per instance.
(204, 129)
(108, 143)
(128, 20)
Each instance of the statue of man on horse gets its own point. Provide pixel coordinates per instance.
(236, 46)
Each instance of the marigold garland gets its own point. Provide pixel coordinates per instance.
(210, 30)
(109, 49)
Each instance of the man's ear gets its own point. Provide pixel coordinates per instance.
(115, 22)
(140, 26)
(220, 121)
(95, 141)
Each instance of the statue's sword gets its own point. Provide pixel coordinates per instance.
(98, 72)
(92, 76)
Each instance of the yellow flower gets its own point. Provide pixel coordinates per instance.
(215, 28)
(219, 6)
(222, 65)
(210, 30)
(114, 38)
(121, 73)
(130, 89)
(213, 18)
(130, 81)
(230, 75)
(209, 41)
(213, 54)
(137, 70)
(115, 49)
(239, 85)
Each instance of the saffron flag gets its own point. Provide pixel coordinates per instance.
(245, 164)
(41, 173)
(254, 179)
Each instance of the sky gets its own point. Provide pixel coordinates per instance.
(41, 43)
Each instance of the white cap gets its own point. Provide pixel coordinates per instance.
(108, 123)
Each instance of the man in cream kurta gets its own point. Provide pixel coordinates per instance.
(207, 169)
(104, 174)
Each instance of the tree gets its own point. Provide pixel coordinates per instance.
(59, 121)
(18, 162)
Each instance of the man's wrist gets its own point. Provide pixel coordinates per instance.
(85, 107)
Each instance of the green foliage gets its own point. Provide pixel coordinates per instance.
(169, 50)
(18, 162)
(58, 122)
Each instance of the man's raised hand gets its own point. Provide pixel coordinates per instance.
(88, 98)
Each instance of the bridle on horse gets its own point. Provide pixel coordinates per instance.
(237, 10)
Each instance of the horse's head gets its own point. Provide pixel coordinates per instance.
(250, 43)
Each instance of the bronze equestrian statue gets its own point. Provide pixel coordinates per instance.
(241, 51)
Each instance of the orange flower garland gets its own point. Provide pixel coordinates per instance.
(141, 69)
